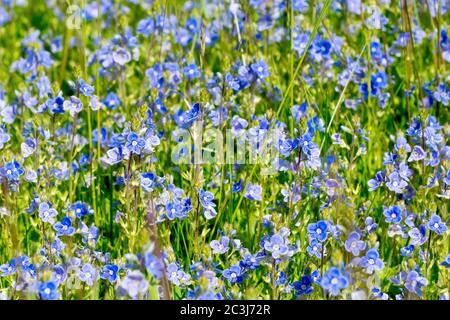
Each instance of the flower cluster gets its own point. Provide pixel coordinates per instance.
(333, 184)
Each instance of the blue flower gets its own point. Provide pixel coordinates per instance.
(322, 47)
(109, 272)
(210, 213)
(64, 227)
(315, 248)
(46, 213)
(374, 184)
(378, 80)
(442, 94)
(177, 276)
(24, 263)
(407, 251)
(73, 105)
(57, 246)
(435, 224)
(48, 290)
(277, 245)
(318, 230)
(146, 26)
(135, 143)
(191, 71)
(417, 154)
(56, 105)
(4, 137)
(415, 128)
(414, 282)
(80, 209)
(153, 265)
(286, 146)
(304, 286)
(253, 192)
(221, 246)
(175, 210)
(418, 235)
(85, 89)
(250, 261)
(375, 50)
(404, 171)
(88, 274)
(396, 183)
(111, 101)
(305, 142)
(282, 279)
(11, 170)
(299, 111)
(371, 261)
(121, 56)
(233, 274)
(389, 158)
(59, 274)
(334, 280)
(148, 181)
(232, 82)
(206, 199)
(393, 214)
(8, 269)
(432, 138)
(402, 143)
(113, 156)
(187, 118)
(354, 245)
(260, 69)
(133, 285)
(239, 186)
